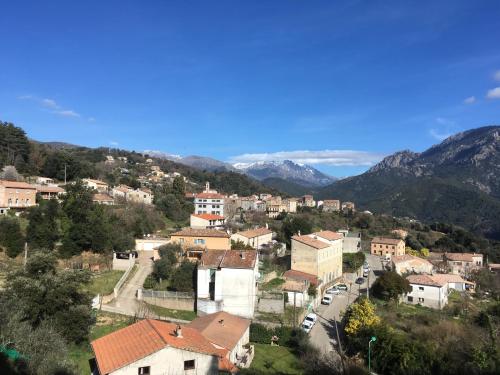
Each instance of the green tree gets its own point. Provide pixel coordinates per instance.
(183, 277)
(43, 231)
(240, 245)
(390, 286)
(179, 186)
(44, 295)
(11, 237)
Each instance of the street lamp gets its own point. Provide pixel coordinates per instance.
(372, 339)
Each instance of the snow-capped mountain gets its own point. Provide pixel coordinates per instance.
(287, 170)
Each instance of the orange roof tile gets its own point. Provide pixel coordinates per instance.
(425, 280)
(255, 232)
(190, 232)
(209, 196)
(16, 184)
(301, 276)
(49, 189)
(144, 338)
(386, 241)
(222, 329)
(228, 259)
(461, 257)
(309, 241)
(329, 235)
(208, 216)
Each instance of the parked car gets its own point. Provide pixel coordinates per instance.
(327, 300)
(311, 317)
(366, 273)
(341, 286)
(360, 280)
(333, 290)
(306, 326)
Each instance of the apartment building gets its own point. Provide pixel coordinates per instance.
(387, 247)
(318, 254)
(14, 194)
(331, 205)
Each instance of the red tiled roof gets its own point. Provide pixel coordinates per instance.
(208, 216)
(426, 280)
(49, 189)
(144, 338)
(461, 257)
(222, 329)
(329, 235)
(386, 241)
(123, 188)
(255, 232)
(301, 276)
(209, 196)
(190, 232)
(228, 259)
(309, 241)
(16, 184)
(97, 182)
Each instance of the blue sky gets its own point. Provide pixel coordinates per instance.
(255, 80)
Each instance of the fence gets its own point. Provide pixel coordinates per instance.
(122, 280)
(167, 299)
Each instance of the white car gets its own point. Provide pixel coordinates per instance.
(307, 326)
(311, 317)
(327, 300)
(333, 291)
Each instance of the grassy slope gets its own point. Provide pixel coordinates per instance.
(275, 360)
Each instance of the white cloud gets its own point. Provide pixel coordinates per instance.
(326, 157)
(113, 143)
(470, 100)
(439, 135)
(52, 105)
(67, 113)
(49, 103)
(493, 93)
(496, 76)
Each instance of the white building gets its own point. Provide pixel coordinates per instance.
(254, 237)
(407, 263)
(156, 347)
(227, 281)
(427, 291)
(209, 203)
(98, 185)
(207, 221)
(351, 242)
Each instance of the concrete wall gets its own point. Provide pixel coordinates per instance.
(255, 242)
(169, 300)
(304, 258)
(123, 264)
(170, 361)
(272, 305)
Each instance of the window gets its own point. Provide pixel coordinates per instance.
(144, 370)
(420, 288)
(420, 299)
(189, 365)
(199, 241)
(410, 299)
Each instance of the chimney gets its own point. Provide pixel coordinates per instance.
(178, 331)
(299, 233)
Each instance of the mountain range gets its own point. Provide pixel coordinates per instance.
(279, 173)
(456, 181)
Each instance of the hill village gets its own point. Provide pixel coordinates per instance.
(244, 276)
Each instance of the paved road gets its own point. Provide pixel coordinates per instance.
(126, 303)
(324, 330)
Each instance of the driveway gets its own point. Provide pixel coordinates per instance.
(126, 303)
(324, 331)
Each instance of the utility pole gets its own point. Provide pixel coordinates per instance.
(64, 173)
(25, 254)
(294, 306)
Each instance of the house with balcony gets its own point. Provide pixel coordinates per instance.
(227, 281)
(331, 205)
(48, 192)
(16, 195)
(196, 241)
(209, 203)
